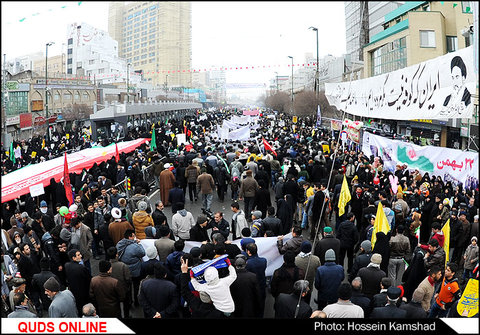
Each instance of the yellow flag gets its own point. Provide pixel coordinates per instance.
(34, 154)
(380, 225)
(446, 243)
(344, 197)
(43, 144)
(468, 303)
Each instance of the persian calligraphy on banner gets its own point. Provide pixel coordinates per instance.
(452, 165)
(435, 89)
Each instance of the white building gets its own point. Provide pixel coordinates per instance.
(23, 63)
(91, 52)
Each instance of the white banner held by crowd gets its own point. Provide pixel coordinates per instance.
(435, 89)
(450, 164)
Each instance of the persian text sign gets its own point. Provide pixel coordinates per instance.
(450, 164)
(436, 89)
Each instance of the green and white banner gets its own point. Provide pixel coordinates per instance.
(452, 165)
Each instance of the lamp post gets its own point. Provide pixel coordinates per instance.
(276, 80)
(291, 57)
(46, 89)
(166, 86)
(317, 84)
(128, 81)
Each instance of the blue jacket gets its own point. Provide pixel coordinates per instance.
(327, 281)
(258, 265)
(131, 253)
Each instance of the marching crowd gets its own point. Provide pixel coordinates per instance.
(48, 246)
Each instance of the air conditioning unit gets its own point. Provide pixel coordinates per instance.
(467, 31)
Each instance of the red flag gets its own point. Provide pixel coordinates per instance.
(66, 183)
(268, 146)
(117, 155)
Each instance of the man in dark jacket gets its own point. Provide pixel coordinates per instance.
(159, 296)
(42, 302)
(414, 307)
(199, 232)
(78, 279)
(362, 260)
(358, 298)
(257, 265)
(329, 241)
(328, 279)
(158, 216)
(347, 233)
(176, 195)
(372, 276)
(107, 292)
(245, 291)
(272, 223)
(390, 311)
(286, 304)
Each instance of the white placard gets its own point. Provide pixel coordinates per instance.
(36, 190)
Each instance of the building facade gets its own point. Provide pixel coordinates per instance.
(156, 38)
(413, 33)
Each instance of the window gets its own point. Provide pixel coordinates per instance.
(427, 39)
(69, 51)
(70, 41)
(389, 57)
(67, 96)
(452, 43)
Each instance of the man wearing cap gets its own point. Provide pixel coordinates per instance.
(245, 291)
(362, 260)
(390, 311)
(63, 302)
(328, 278)
(329, 241)
(106, 292)
(167, 179)
(414, 308)
(19, 285)
(257, 224)
(371, 276)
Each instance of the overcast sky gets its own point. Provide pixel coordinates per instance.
(223, 33)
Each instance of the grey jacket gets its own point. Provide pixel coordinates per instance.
(63, 305)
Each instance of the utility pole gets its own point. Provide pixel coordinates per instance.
(4, 101)
(46, 90)
(317, 73)
(291, 57)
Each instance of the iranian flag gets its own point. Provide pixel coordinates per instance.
(267, 146)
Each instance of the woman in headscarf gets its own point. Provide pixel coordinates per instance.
(382, 247)
(285, 214)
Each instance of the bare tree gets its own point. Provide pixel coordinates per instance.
(279, 101)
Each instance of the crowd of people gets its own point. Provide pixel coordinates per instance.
(49, 245)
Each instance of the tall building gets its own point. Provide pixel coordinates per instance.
(156, 38)
(363, 19)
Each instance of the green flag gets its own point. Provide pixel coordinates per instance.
(153, 142)
(12, 154)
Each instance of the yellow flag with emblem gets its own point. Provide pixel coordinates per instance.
(468, 303)
(380, 225)
(344, 197)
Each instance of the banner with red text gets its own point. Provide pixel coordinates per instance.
(452, 165)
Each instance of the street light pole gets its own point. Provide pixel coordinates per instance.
(166, 86)
(46, 90)
(128, 79)
(276, 80)
(291, 57)
(317, 73)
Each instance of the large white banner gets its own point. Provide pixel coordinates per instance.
(450, 164)
(267, 248)
(436, 89)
